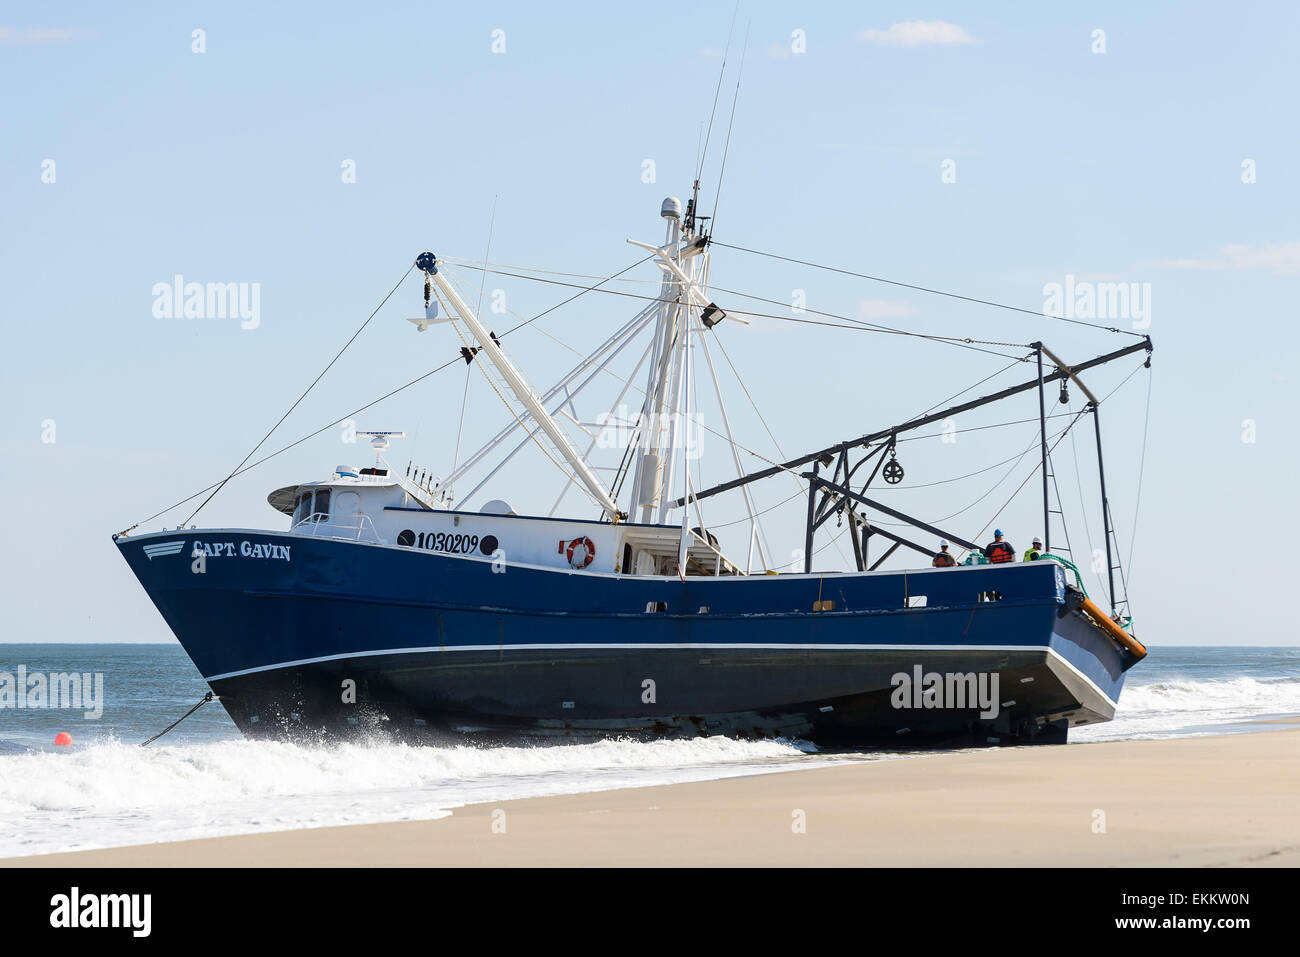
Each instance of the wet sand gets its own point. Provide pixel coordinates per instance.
(1224, 800)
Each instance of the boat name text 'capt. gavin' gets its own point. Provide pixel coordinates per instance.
(244, 549)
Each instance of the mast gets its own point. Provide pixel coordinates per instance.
(1042, 432)
(682, 258)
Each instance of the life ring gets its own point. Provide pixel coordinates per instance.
(585, 557)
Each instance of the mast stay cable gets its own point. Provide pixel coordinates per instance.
(927, 289)
(387, 395)
(314, 381)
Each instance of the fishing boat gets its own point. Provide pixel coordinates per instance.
(386, 604)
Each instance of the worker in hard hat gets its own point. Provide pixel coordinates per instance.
(998, 550)
(942, 559)
(1035, 552)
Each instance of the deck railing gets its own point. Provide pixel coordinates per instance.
(320, 525)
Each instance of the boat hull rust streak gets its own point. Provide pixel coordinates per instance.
(428, 647)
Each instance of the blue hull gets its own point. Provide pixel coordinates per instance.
(303, 636)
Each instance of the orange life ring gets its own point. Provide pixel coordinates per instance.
(588, 545)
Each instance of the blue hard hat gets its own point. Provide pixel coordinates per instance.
(997, 531)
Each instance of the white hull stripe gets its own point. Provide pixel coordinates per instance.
(631, 646)
(163, 548)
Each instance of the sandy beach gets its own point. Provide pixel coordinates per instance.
(1225, 800)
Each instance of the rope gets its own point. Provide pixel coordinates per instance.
(202, 701)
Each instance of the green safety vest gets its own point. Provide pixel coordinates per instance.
(1031, 555)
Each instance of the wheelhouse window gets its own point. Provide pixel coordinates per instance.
(314, 510)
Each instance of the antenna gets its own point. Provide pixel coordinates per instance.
(726, 149)
(694, 204)
(379, 442)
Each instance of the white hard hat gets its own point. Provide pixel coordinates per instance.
(943, 543)
(1037, 540)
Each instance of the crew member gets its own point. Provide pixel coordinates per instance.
(999, 551)
(943, 559)
(1034, 553)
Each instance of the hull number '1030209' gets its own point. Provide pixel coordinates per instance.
(439, 541)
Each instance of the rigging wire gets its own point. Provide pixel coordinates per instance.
(973, 428)
(495, 267)
(937, 292)
(327, 368)
(1032, 473)
(1059, 437)
(1146, 426)
(1065, 526)
(387, 395)
(963, 342)
(460, 428)
(464, 399)
(1087, 527)
(717, 196)
(699, 169)
(957, 395)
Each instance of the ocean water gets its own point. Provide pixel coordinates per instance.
(204, 780)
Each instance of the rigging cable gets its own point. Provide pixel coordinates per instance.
(937, 292)
(1032, 473)
(210, 696)
(464, 399)
(1059, 437)
(327, 368)
(699, 169)
(957, 395)
(1087, 528)
(963, 342)
(1146, 425)
(717, 197)
(388, 395)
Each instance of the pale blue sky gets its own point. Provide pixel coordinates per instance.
(225, 166)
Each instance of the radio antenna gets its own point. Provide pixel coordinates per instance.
(732, 122)
(703, 154)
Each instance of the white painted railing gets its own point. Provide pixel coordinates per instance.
(319, 525)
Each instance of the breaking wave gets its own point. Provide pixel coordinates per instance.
(112, 794)
(1185, 705)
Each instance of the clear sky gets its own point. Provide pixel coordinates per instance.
(990, 151)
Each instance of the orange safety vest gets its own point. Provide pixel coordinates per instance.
(1000, 552)
(944, 560)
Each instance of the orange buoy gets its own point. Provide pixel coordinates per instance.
(63, 739)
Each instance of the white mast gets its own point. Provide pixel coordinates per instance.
(667, 383)
(521, 388)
